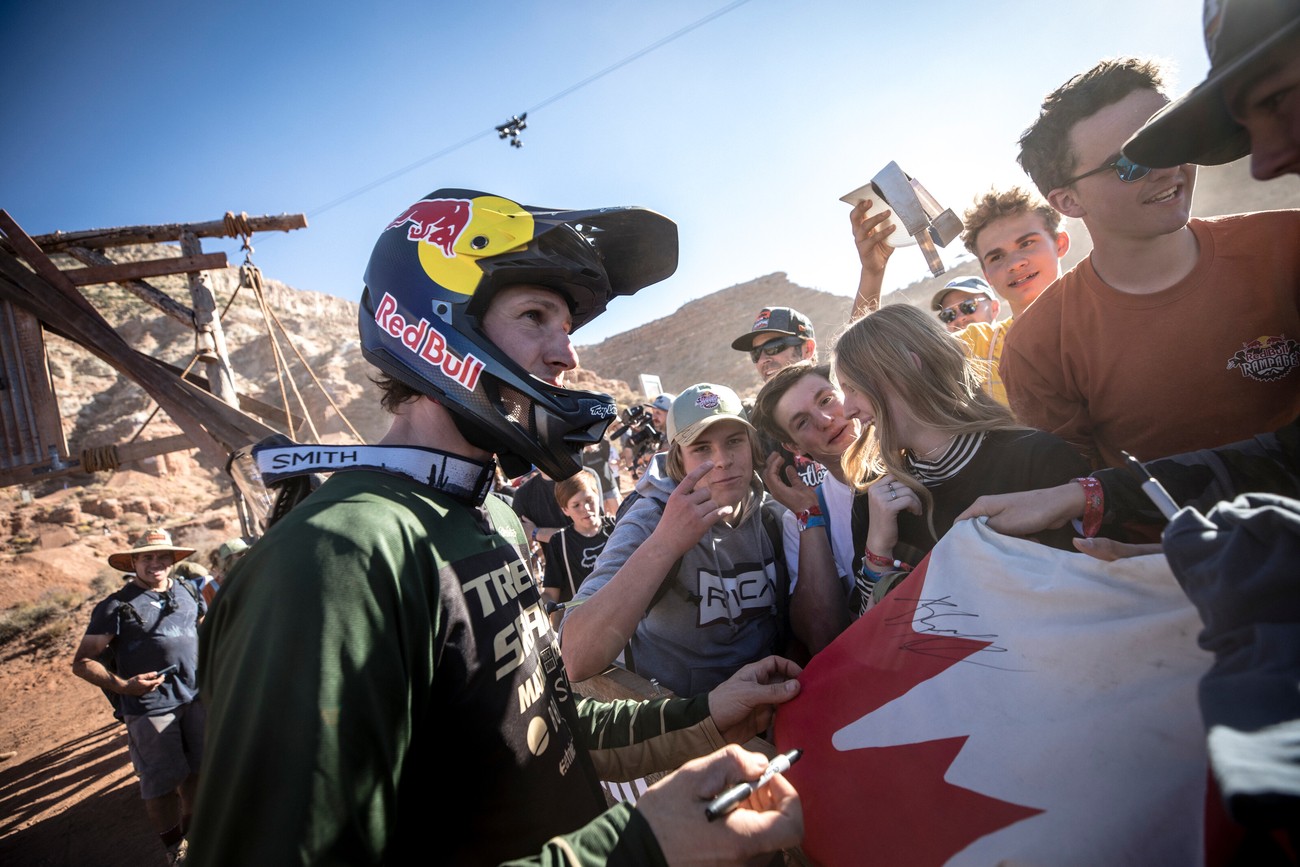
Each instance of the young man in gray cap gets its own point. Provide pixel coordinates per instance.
(779, 337)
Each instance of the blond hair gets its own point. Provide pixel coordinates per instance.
(901, 352)
(995, 205)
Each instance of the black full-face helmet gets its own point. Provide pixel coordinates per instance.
(435, 270)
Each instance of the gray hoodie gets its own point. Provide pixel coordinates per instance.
(718, 613)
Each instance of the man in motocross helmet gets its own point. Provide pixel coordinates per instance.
(384, 640)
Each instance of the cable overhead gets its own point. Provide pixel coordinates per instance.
(636, 55)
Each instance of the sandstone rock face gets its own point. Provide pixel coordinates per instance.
(70, 513)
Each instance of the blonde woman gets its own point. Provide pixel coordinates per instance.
(933, 441)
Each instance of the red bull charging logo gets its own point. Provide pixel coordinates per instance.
(436, 221)
(427, 342)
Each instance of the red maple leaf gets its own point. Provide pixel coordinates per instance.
(886, 805)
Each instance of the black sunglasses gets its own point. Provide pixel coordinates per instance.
(774, 347)
(1127, 170)
(967, 307)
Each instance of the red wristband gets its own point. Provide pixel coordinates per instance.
(1093, 506)
(885, 562)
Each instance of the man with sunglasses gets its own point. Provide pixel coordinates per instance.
(1173, 335)
(779, 337)
(964, 301)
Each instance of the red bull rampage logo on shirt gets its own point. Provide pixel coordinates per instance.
(427, 342)
(1267, 358)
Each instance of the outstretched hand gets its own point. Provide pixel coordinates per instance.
(1110, 550)
(769, 820)
(689, 512)
(742, 705)
(1029, 512)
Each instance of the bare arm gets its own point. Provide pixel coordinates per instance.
(818, 609)
(88, 668)
(596, 629)
(873, 253)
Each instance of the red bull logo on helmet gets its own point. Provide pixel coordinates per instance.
(428, 343)
(439, 222)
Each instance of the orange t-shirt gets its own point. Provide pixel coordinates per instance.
(1211, 360)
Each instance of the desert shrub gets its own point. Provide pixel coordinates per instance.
(28, 619)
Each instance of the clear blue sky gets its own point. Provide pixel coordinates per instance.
(745, 131)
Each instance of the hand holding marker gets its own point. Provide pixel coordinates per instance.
(730, 799)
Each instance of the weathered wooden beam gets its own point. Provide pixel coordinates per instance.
(126, 453)
(144, 291)
(123, 235)
(121, 272)
(207, 325)
(221, 428)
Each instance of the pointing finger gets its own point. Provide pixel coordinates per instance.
(688, 483)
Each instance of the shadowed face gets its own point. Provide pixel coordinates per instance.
(1267, 104)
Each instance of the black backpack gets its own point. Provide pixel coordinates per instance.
(127, 614)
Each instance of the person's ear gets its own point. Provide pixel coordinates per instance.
(1066, 200)
(994, 305)
(810, 348)
(1062, 244)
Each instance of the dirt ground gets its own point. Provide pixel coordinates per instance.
(68, 795)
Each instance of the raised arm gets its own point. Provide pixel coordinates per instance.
(601, 619)
(873, 254)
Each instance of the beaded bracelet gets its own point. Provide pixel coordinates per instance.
(1093, 505)
(886, 563)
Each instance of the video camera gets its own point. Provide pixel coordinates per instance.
(644, 438)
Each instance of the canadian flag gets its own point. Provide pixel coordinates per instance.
(1008, 703)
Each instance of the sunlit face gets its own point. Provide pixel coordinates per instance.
(1153, 206)
(769, 365)
(985, 309)
(726, 443)
(812, 415)
(531, 324)
(1020, 257)
(1267, 104)
(152, 566)
(583, 509)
